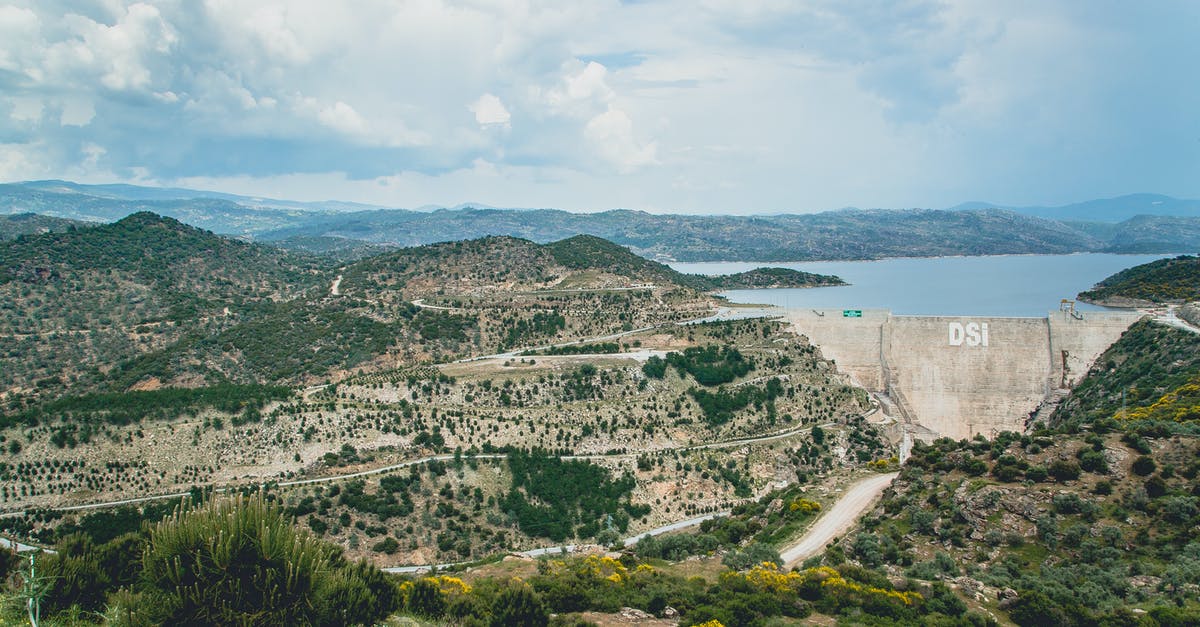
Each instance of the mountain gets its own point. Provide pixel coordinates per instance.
(81, 301)
(1118, 209)
(1164, 280)
(13, 226)
(972, 229)
(502, 264)
(148, 302)
(214, 214)
(847, 234)
(142, 193)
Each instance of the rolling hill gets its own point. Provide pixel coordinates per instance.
(148, 302)
(82, 301)
(1140, 223)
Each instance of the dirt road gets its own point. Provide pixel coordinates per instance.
(838, 520)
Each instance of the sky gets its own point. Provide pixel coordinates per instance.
(671, 106)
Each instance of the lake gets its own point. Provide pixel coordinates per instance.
(1008, 285)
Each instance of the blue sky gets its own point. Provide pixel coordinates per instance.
(684, 106)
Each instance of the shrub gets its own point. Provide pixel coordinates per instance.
(240, 561)
(1064, 470)
(1144, 465)
(519, 605)
(426, 598)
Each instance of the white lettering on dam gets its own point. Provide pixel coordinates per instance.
(971, 334)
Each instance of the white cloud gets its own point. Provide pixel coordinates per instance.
(120, 54)
(26, 109)
(19, 28)
(490, 111)
(764, 105)
(611, 133)
(343, 118)
(582, 87)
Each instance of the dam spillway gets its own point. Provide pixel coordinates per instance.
(958, 376)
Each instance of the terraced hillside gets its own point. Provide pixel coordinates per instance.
(626, 414)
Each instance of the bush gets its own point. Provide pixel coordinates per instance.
(240, 561)
(519, 605)
(752, 555)
(1144, 465)
(1093, 461)
(1064, 470)
(426, 598)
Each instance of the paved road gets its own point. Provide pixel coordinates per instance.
(21, 547)
(1173, 320)
(569, 548)
(838, 519)
(723, 313)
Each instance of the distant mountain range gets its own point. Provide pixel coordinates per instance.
(1139, 223)
(1111, 210)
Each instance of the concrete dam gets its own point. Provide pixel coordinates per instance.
(958, 376)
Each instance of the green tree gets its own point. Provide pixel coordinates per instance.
(519, 605)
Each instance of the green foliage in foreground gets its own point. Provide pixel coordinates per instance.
(1092, 543)
(229, 562)
(752, 597)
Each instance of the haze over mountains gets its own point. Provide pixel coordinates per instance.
(1138, 223)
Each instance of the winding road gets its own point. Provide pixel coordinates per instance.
(838, 519)
(567, 548)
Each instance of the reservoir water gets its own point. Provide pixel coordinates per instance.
(1011, 285)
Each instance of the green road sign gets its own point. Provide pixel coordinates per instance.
(851, 313)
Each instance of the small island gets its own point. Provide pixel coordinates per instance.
(770, 278)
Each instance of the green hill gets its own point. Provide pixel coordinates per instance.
(1150, 362)
(79, 303)
(770, 278)
(1165, 280)
(1049, 529)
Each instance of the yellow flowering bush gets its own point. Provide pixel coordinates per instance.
(1180, 404)
(805, 506)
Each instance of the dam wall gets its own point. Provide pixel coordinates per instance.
(958, 376)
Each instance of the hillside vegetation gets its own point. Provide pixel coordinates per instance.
(1165, 280)
(148, 301)
(79, 303)
(771, 278)
(1149, 369)
(1092, 522)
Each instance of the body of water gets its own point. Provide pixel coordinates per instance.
(1012, 285)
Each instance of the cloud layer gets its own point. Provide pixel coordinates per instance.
(736, 106)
